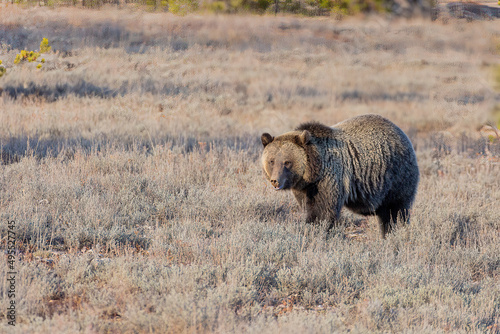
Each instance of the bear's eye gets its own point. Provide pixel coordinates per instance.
(288, 164)
(271, 162)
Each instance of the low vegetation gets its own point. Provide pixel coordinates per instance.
(336, 8)
(130, 166)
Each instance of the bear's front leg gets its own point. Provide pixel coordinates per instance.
(318, 205)
(306, 203)
(317, 211)
(300, 196)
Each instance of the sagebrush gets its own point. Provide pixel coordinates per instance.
(130, 164)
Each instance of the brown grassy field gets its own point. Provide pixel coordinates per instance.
(130, 165)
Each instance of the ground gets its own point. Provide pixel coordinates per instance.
(130, 168)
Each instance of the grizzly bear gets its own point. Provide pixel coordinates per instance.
(365, 163)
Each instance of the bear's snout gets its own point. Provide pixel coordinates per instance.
(276, 184)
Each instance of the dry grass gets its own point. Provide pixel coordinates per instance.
(130, 164)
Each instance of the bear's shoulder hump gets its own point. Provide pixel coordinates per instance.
(316, 129)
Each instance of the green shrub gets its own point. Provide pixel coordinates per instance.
(3, 70)
(255, 6)
(304, 7)
(261, 5)
(44, 46)
(290, 6)
(236, 3)
(154, 5)
(352, 7)
(216, 7)
(29, 56)
(325, 4)
(182, 7)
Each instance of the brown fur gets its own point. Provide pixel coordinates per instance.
(366, 164)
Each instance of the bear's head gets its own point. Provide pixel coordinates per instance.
(290, 159)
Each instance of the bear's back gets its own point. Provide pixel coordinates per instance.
(373, 132)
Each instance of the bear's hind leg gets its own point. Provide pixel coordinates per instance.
(388, 218)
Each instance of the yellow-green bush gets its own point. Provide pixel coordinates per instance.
(24, 55)
(44, 46)
(182, 7)
(29, 56)
(155, 4)
(217, 7)
(233, 6)
(304, 7)
(352, 7)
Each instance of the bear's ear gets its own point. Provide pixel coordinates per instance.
(266, 139)
(304, 138)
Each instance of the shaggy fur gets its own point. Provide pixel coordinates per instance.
(365, 163)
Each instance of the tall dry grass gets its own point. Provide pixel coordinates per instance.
(130, 164)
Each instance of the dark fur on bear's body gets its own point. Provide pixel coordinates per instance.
(365, 163)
